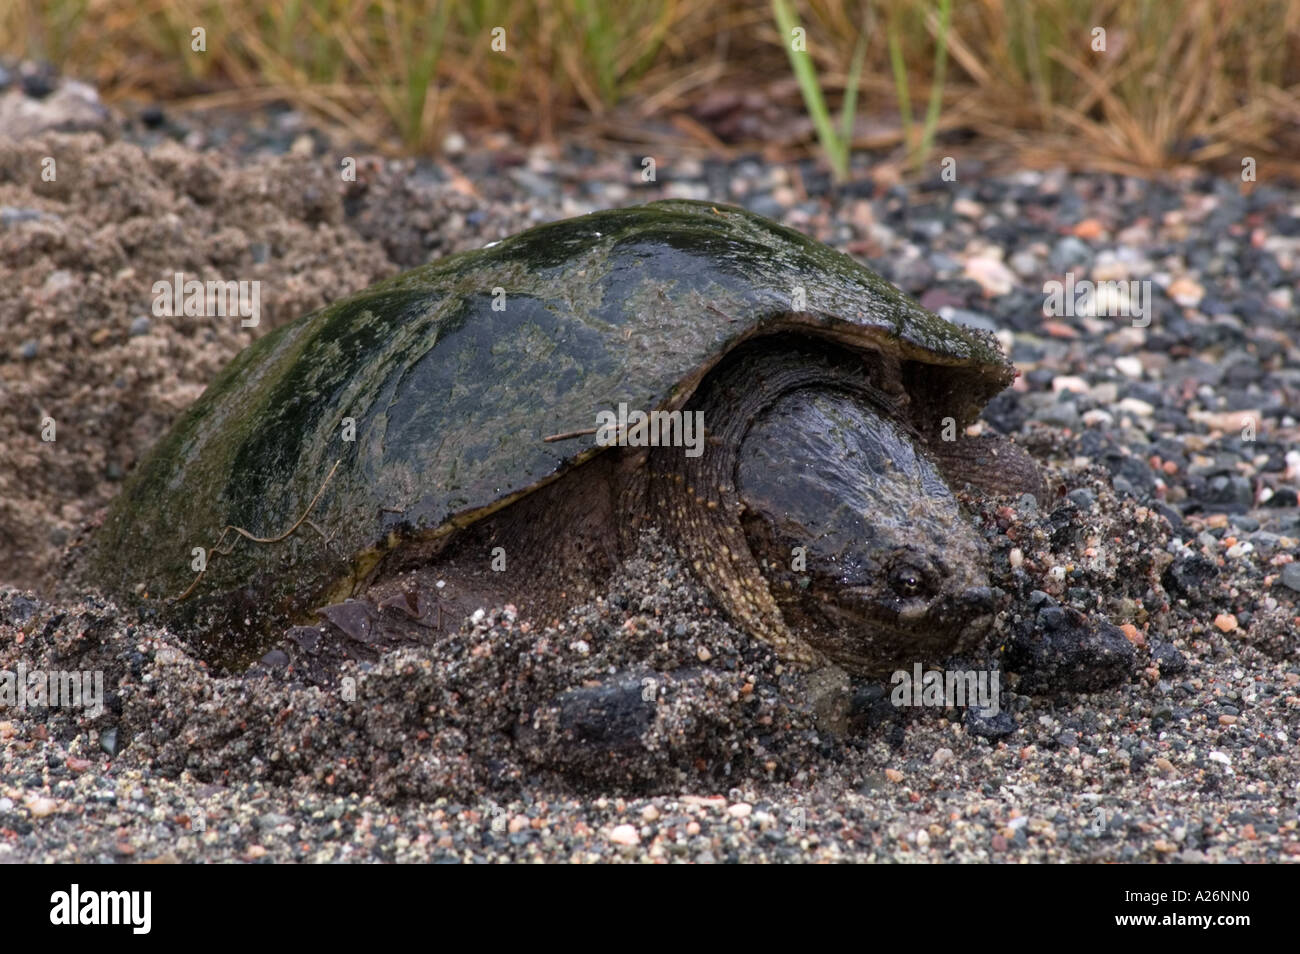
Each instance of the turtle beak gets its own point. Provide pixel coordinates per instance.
(975, 606)
(977, 600)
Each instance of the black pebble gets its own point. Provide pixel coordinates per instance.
(1187, 576)
(989, 727)
(613, 714)
(1170, 660)
(1061, 650)
(1283, 497)
(38, 83)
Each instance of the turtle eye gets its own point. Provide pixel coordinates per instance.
(907, 581)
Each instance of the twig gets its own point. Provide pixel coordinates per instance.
(567, 435)
(216, 547)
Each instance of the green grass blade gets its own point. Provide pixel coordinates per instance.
(936, 85)
(849, 108)
(801, 63)
(899, 68)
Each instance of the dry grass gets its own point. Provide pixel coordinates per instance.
(1180, 81)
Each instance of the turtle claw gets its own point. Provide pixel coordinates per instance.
(412, 606)
(359, 630)
(354, 618)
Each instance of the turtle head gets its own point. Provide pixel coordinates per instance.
(886, 605)
(862, 543)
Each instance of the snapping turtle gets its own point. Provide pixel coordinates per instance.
(786, 417)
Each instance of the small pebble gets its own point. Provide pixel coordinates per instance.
(1186, 292)
(1290, 576)
(1129, 366)
(624, 835)
(40, 806)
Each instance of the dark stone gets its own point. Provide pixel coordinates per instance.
(613, 714)
(1169, 659)
(1244, 522)
(989, 726)
(1290, 576)
(21, 609)
(871, 707)
(1082, 497)
(1038, 599)
(1006, 412)
(1133, 470)
(39, 82)
(1187, 577)
(1065, 527)
(1283, 497)
(1040, 378)
(1061, 650)
(1169, 513)
(1229, 491)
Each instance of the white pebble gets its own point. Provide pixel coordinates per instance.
(40, 806)
(624, 835)
(1136, 406)
(1069, 382)
(1098, 418)
(1105, 392)
(991, 275)
(1129, 366)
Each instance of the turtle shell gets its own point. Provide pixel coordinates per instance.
(449, 377)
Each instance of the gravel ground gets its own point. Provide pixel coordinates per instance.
(1173, 448)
